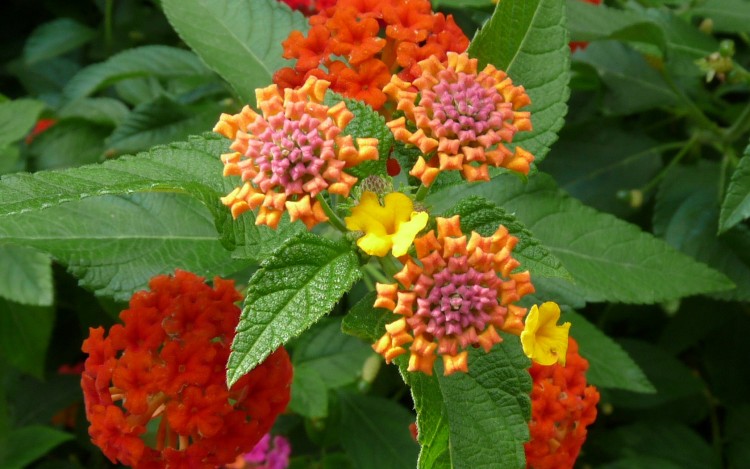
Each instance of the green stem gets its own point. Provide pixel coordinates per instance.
(332, 217)
(694, 110)
(375, 273)
(681, 154)
(108, 7)
(740, 126)
(421, 193)
(389, 267)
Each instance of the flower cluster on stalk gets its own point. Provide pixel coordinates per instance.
(166, 363)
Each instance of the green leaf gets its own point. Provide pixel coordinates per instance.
(116, 244)
(25, 275)
(157, 61)
(366, 124)
(161, 121)
(375, 432)
(729, 16)
(24, 445)
(101, 111)
(55, 38)
(484, 217)
(736, 205)
(292, 290)
(17, 118)
(309, 393)
(609, 259)
(686, 216)
(609, 365)
(528, 39)
(68, 144)
(240, 40)
(589, 22)
(336, 357)
(366, 322)
(486, 410)
(24, 335)
(632, 84)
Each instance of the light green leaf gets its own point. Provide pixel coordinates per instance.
(609, 259)
(309, 393)
(102, 111)
(17, 118)
(736, 205)
(157, 61)
(240, 40)
(632, 85)
(686, 216)
(336, 357)
(55, 38)
(24, 445)
(24, 335)
(375, 432)
(609, 365)
(68, 144)
(729, 16)
(25, 275)
(161, 121)
(484, 217)
(116, 244)
(298, 284)
(528, 39)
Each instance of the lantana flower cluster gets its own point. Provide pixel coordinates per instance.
(358, 44)
(166, 363)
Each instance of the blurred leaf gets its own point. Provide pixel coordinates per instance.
(309, 393)
(101, 111)
(36, 401)
(24, 336)
(685, 42)
(365, 321)
(609, 365)
(723, 353)
(595, 161)
(588, 22)
(640, 462)
(26, 444)
(156, 61)
(44, 78)
(240, 40)
(675, 443)
(55, 38)
(68, 144)
(161, 121)
(375, 432)
(528, 39)
(17, 118)
(480, 215)
(116, 244)
(297, 285)
(25, 275)
(686, 216)
(609, 259)
(436, 4)
(728, 16)
(736, 205)
(336, 357)
(689, 326)
(737, 449)
(10, 159)
(632, 84)
(135, 91)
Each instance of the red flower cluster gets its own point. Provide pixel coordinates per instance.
(562, 406)
(167, 363)
(575, 45)
(309, 6)
(358, 44)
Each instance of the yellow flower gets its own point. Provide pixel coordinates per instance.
(390, 227)
(543, 340)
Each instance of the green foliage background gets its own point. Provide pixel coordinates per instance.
(634, 219)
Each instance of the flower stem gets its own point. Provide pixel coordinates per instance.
(334, 219)
(421, 193)
(681, 154)
(389, 267)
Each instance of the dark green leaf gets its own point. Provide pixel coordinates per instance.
(484, 217)
(101, 111)
(157, 61)
(116, 244)
(25, 275)
(609, 259)
(26, 444)
(375, 432)
(632, 85)
(528, 39)
(309, 393)
(292, 290)
(67, 144)
(736, 205)
(55, 38)
(240, 40)
(17, 118)
(24, 335)
(609, 365)
(365, 321)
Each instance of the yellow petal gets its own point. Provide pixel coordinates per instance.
(375, 244)
(407, 231)
(399, 206)
(542, 339)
